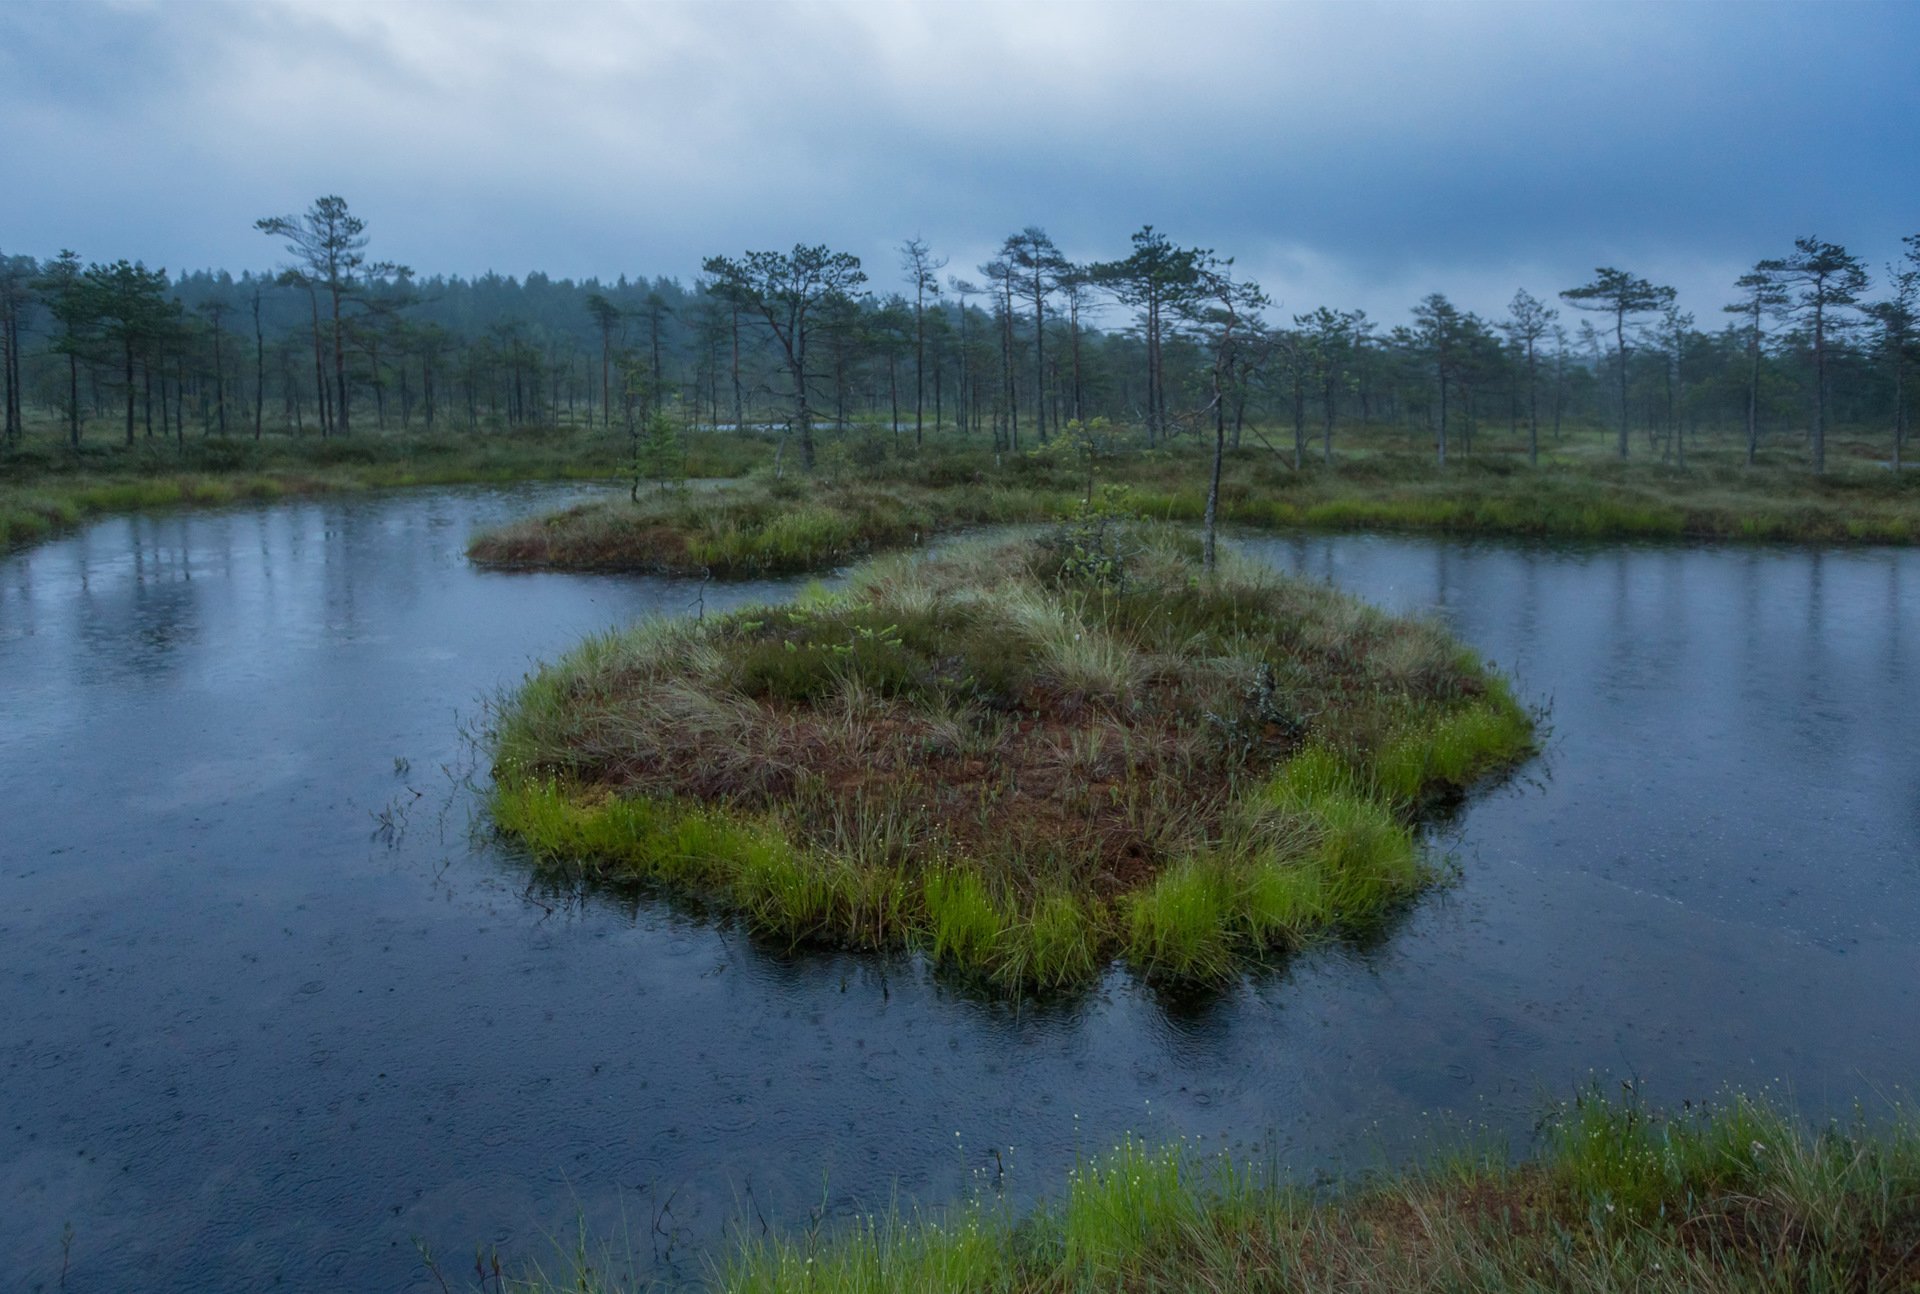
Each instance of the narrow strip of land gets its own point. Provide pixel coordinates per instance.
(1738, 1199)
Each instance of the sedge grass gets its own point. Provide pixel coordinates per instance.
(1616, 1197)
(1023, 772)
(45, 488)
(1378, 481)
(763, 528)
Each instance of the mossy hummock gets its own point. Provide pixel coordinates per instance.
(764, 528)
(1024, 758)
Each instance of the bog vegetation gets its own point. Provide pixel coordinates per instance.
(1021, 758)
(123, 387)
(1031, 759)
(879, 500)
(1618, 1199)
(765, 528)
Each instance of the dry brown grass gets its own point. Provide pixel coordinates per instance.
(1159, 749)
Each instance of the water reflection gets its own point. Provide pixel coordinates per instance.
(249, 1043)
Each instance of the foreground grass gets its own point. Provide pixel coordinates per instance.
(45, 489)
(1742, 1197)
(1022, 759)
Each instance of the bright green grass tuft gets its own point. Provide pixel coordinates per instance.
(1617, 1199)
(963, 923)
(1180, 927)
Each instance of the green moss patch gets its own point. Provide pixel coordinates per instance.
(1024, 759)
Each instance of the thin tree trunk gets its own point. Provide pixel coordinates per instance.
(966, 386)
(343, 411)
(919, 357)
(1899, 406)
(1620, 341)
(319, 369)
(1326, 423)
(1039, 357)
(1673, 416)
(1006, 346)
(739, 405)
(15, 407)
(653, 336)
(1299, 416)
(73, 398)
(606, 379)
(1213, 481)
(1819, 388)
(219, 377)
(1154, 427)
(127, 351)
(259, 369)
(1073, 334)
(6, 370)
(1533, 408)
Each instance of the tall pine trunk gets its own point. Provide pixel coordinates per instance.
(127, 352)
(343, 412)
(259, 369)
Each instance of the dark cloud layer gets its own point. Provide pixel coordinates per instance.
(1350, 153)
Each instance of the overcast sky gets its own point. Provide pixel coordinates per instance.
(1348, 154)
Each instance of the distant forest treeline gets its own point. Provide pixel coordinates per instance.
(333, 342)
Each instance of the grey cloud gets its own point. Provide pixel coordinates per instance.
(1353, 153)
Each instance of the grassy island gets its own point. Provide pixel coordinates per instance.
(1024, 759)
(761, 527)
(752, 530)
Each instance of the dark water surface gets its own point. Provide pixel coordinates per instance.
(245, 1043)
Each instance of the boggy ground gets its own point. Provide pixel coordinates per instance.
(1379, 477)
(1739, 1198)
(47, 488)
(755, 529)
(1022, 758)
(885, 498)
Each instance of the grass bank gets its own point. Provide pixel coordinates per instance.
(766, 528)
(889, 498)
(1730, 1200)
(1375, 481)
(1587, 502)
(1375, 484)
(1023, 759)
(45, 488)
